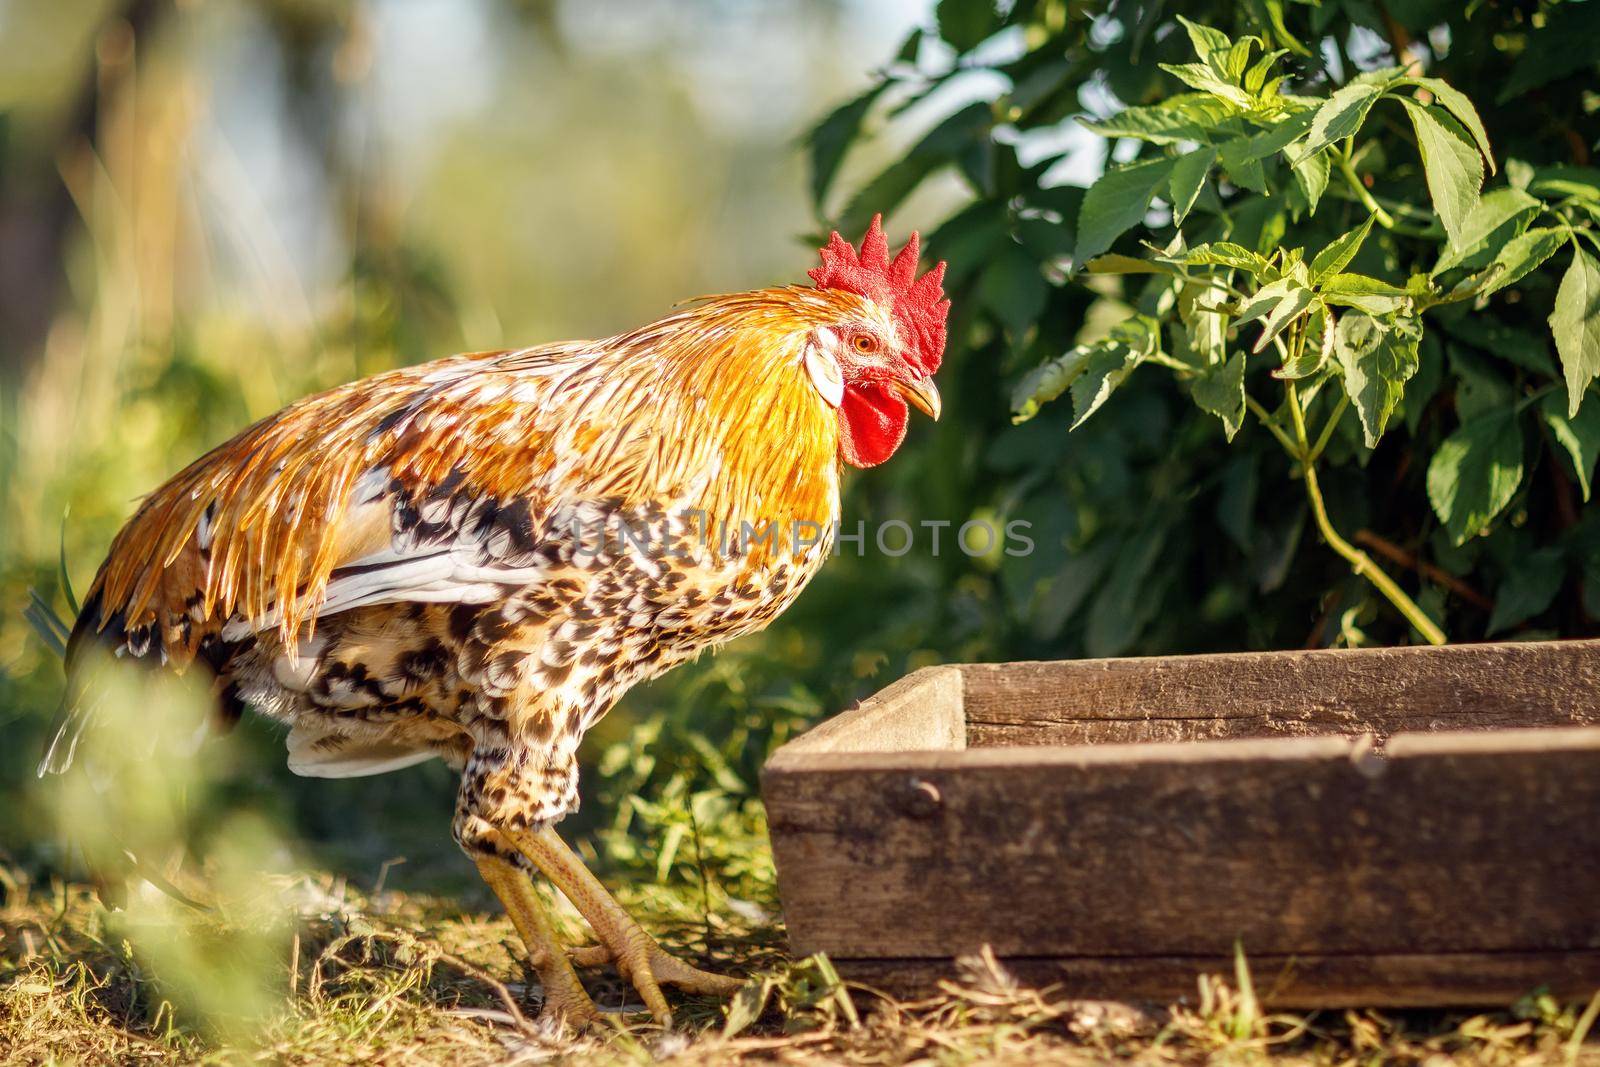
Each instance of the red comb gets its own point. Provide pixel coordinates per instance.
(918, 304)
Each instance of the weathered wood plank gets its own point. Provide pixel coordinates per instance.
(1379, 691)
(1455, 842)
(1456, 979)
(920, 712)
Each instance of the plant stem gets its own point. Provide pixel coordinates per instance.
(1266, 420)
(1360, 563)
(1333, 423)
(1342, 161)
(1368, 201)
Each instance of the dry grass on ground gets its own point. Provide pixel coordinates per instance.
(391, 978)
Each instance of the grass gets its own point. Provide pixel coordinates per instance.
(385, 976)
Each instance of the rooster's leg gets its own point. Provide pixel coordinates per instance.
(622, 941)
(564, 996)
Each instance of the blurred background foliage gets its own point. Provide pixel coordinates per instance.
(210, 208)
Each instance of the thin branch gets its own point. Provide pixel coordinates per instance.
(1361, 563)
(1327, 430)
(1363, 194)
(1434, 573)
(1270, 423)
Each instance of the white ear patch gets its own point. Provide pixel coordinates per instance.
(824, 370)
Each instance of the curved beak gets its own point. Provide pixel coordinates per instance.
(921, 394)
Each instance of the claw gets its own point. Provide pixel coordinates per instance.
(641, 962)
(647, 967)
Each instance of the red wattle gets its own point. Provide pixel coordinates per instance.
(872, 423)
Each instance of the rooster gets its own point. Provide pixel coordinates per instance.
(474, 558)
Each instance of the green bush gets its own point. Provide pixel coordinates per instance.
(1338, 291)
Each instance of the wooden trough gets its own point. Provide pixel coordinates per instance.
(1381, 827)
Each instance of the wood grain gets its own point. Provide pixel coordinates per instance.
(1283, 694)
(1453, 842)
(1383, 819)
(920, 712)
(1456, 979)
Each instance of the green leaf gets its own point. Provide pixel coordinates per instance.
(1529, 587)
(1046, 382)
(969, 238)
(1311, 174)
(1524, 347)
(1207, 41)
(1479, 388)
(747, 1005)
(1255, 79)
(1105, 369)
(1314, 353)
(1259, 222)
(1186, 117)
(1575, 322)
(1110, 363)
(1377, 358)
(1285, 311)
(1245, 173)
(1475, 473)
(910, 47)
(1226, 254)
(1220, 390)
(1453, 166)
(1579, 435)
(1233, 65)
(1013, 289)
(1260, 303)
(1273, 10)
(1080, 573)
(1338, 254)
(1116, 263)
(1455, 101)
(831, 139)
(1117, 203)
(965, 24)
(1205, 324)
(1563, 45)
(1236, 504)
(1499, 216)
(1207, 80)
(1362, 283)
(1188, 175)
(1578, 183)
(1525, 253)
(950, 139)
(1366, 303)
(1424, 385)
(1122, 608)
(1341, 115)
(1468, 288)
(1241, 150)
(1045, 239)
(1364, 293)
(1102, 364)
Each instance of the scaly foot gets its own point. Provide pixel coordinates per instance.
(640, 961)
(565, 1000)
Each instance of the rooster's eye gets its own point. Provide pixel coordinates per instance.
(866, 343)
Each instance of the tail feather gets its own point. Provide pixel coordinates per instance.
(72, 719)
(78, 708)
